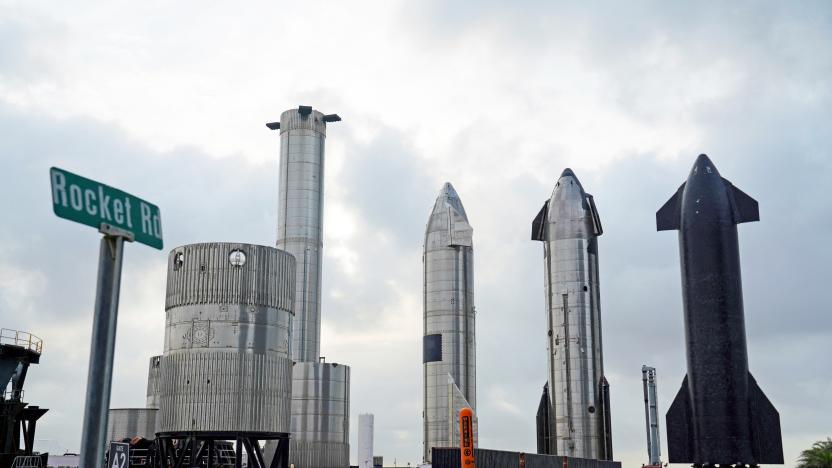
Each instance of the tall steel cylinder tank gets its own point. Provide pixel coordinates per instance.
(227, 363)
(300, 215)
(320, 415)
(320, 392)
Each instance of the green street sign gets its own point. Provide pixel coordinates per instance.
(92, 203)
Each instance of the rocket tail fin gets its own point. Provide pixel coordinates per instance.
(606, 429)
(545, 424)
(539, 223)
(767, 444)
(668, 218)
(679, 431)
(746, 209)
(457, 401)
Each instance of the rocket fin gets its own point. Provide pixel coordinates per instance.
(767, 445)
(606, 429)
(679, 430)
(539, 223)
(545, 424)
(596, 220)
(669, 215)
(745, 208)
(457, 401)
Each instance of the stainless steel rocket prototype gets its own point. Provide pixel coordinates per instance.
(720, 415)
(569, 226)
(449, 336)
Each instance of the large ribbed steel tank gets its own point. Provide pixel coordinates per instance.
(131, 422)
(226, 365)
(320, 415)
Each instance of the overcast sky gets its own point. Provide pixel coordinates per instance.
(168, 101)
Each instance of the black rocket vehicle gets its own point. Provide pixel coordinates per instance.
(720, 416)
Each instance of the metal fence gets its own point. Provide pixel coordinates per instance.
(22, 339)
(449, 458)
(28, 461)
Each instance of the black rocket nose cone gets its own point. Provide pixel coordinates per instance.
(703, 165)
(703, 159)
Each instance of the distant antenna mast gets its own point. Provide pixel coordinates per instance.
(651, 414)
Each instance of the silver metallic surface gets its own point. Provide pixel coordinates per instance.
(226, 363)
(320, 401)
(365, 440)
(651, 415)
(153, 375)
(320, 415)
(568, 226)
(300, 221)
(448, 311)
(102, 348)
(131, 422)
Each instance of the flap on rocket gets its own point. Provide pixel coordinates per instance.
(456, 402)
(745, 208)
(669, 216)
(679, 431)
(596, 220)
(767, 444)
(539, 223)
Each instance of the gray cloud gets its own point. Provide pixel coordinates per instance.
(388, 182)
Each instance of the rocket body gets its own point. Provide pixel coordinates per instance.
(720, 415)
(449, 345)
(569, 226)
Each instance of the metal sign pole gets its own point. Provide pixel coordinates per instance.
(100, 375)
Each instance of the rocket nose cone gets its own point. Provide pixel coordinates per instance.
(448, 197)
(448, 190)
(568, 194)
(571, 209)
(568, 180)
(703, 166)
